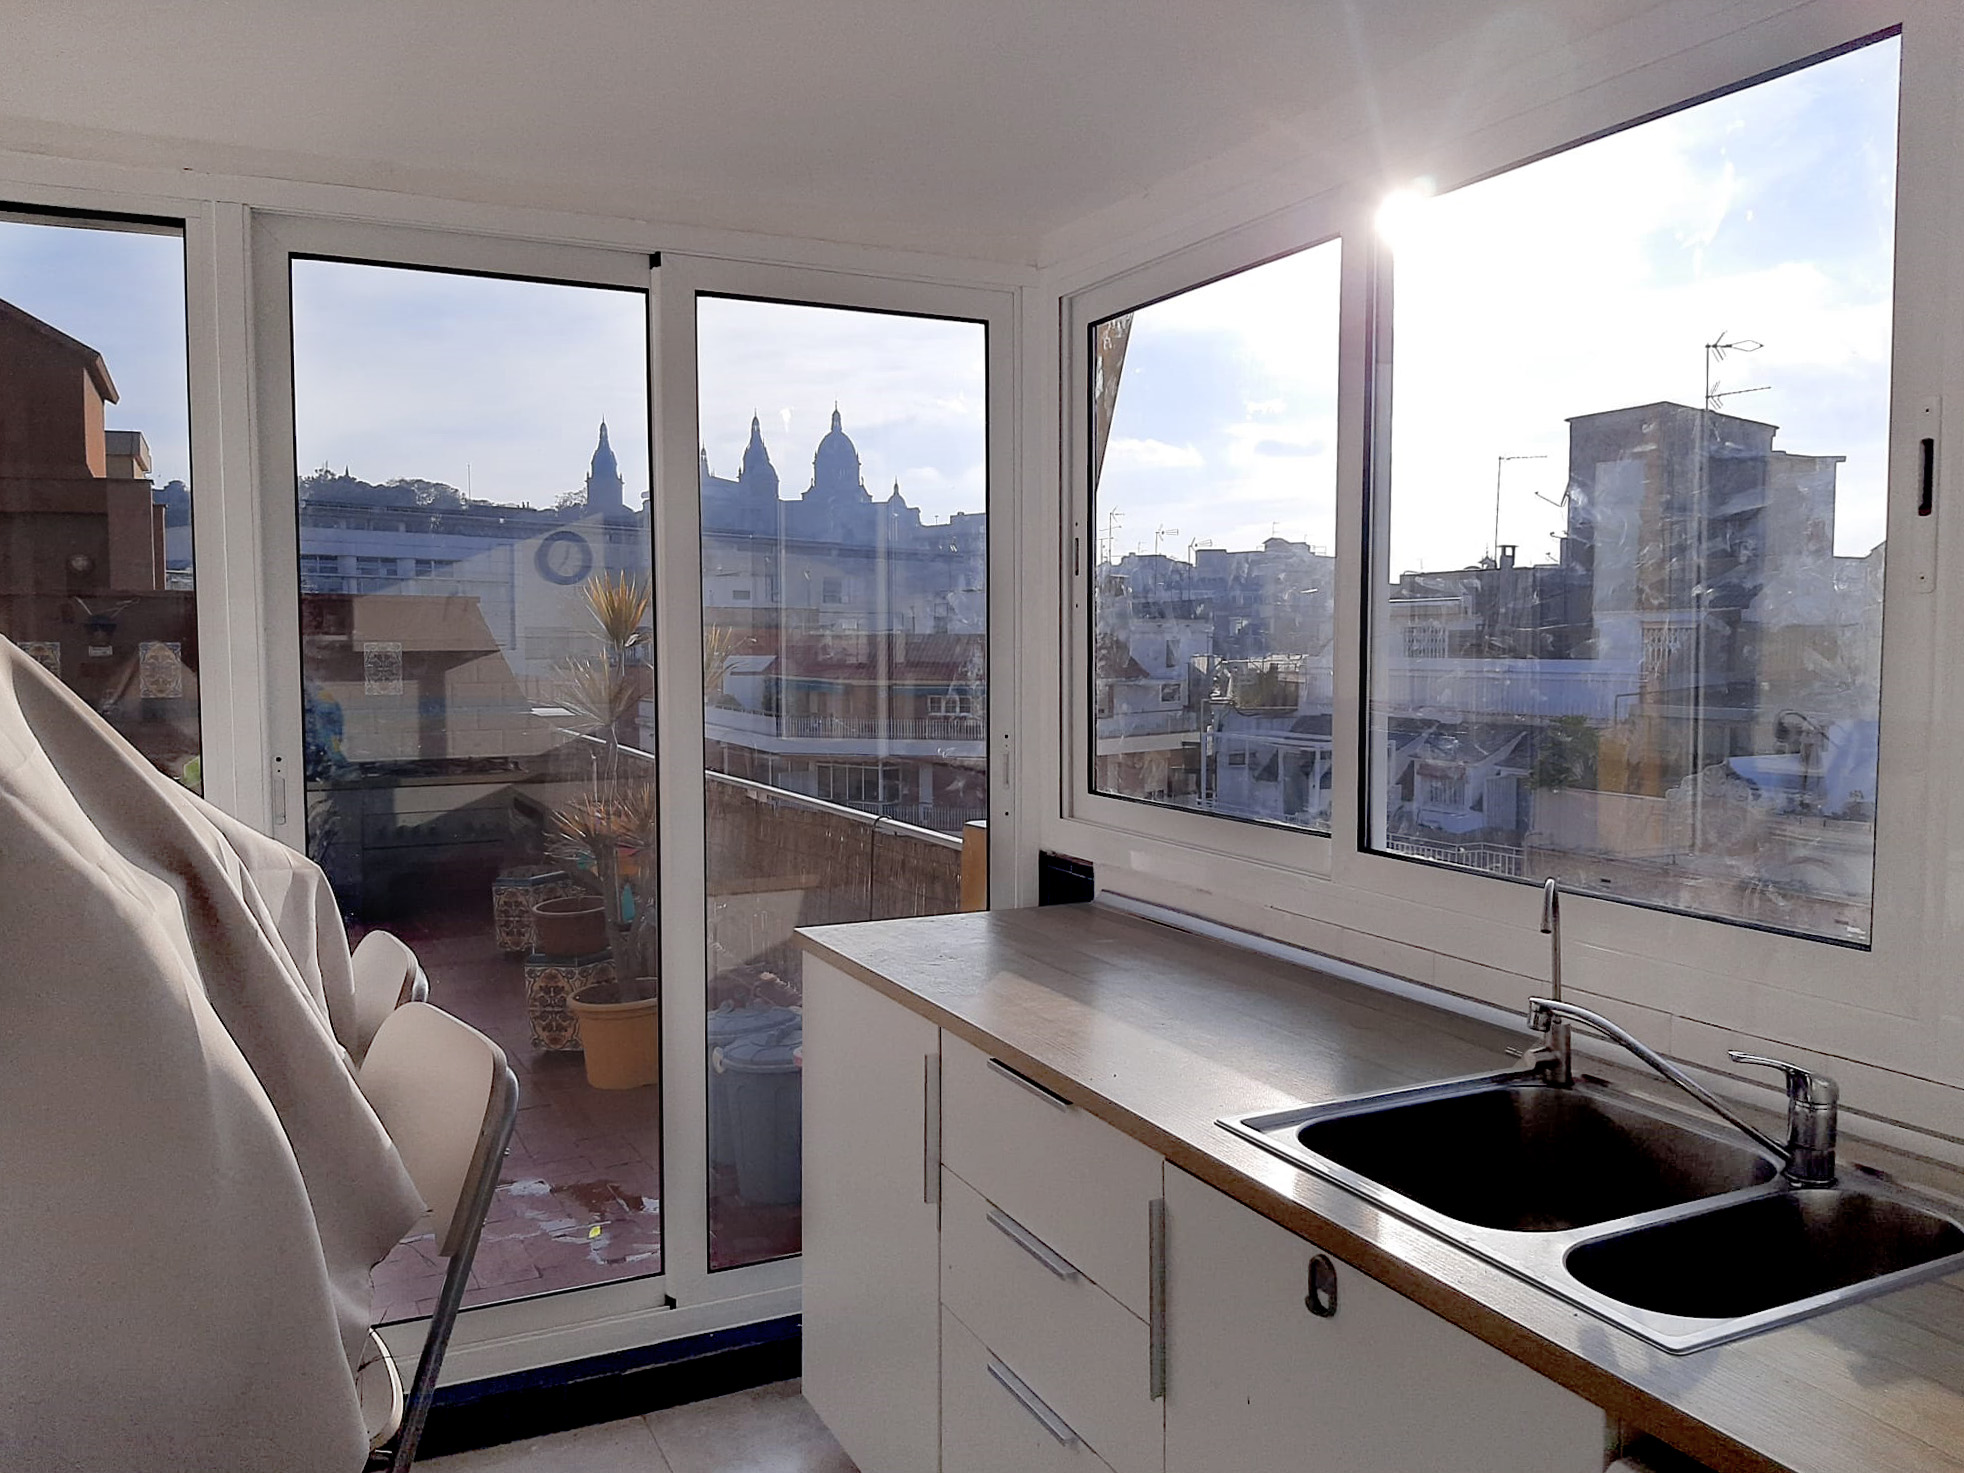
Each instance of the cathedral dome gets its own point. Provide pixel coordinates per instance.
(835, 468)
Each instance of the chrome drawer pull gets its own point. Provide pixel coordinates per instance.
(931, 1129)
(1156, 1299)
(1048, 1096)
(1055, 1425)
(1031, 1244)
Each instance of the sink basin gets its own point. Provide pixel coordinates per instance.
(1529, 1157)
(1672, 1228)
(1763, 1253)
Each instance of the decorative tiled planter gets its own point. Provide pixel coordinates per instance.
(513, 894)
(550, 983)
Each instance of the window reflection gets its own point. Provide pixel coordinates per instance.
(1214, 474)
(96, 578)
(1631, 630)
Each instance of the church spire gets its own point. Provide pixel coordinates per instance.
(757, 475)
(603, 481)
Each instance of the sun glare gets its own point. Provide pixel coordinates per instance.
(1401, 214)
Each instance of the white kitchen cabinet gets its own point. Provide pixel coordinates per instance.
(1256, 1382)
(1087, 1356)
(871, 1223)
(992, 1421)
(1082, 1186)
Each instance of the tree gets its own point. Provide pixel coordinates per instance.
(1567, 755)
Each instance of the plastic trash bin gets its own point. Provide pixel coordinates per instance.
(766, 1087)
(726, 1025)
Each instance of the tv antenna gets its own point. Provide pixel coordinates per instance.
(1715, 352)
(1499, 467)
(1112, 519)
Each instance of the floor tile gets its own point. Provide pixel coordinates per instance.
(611, 1447)
(770, 1429)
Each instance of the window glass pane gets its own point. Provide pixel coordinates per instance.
(1629, 632)
(95, 476)
(1213, 470)
(845, 682)
(474, 573)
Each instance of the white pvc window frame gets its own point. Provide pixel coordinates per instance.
(1303, 849)
(1682, 979)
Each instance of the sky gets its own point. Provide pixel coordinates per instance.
(122, 293)
(1586, 281)
(911, 393)
(494, 386)
(1589, 280)
(1224, 431)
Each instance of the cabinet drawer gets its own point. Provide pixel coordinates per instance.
(1074, 1181)
(1084, 1353)
(990, 1423)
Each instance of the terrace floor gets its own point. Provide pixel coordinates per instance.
(579, 1201)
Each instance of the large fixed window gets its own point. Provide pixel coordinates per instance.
(95, 474)
(1628, 557)
(1213, 474)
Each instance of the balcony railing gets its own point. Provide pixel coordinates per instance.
(840, 728)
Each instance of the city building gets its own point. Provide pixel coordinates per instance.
(845, 652)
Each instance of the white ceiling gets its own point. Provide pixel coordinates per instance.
(973, 128)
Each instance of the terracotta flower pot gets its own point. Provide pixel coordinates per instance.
(623, 1039)
(573, 926)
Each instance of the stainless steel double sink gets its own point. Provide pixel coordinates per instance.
(1655, 1222)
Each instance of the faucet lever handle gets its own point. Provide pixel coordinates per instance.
(1804, 1086)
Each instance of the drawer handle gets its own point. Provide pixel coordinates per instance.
(1048, 1096)
(1156, 1299)
(931, 1129)
(1031, 1244)
(1055, 1425)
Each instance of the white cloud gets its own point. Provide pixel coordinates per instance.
(1136, 454)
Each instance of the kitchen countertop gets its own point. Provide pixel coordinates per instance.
(1160, 1032)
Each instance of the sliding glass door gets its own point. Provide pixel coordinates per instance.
(476, 683)
(842, 480)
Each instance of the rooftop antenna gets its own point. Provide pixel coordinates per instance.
(1715, 352)
(1112, 519)
(1499, 466)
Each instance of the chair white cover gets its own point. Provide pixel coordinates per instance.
(385, 971)
(430, 1078)
(195, 1190)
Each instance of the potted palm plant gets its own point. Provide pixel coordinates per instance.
(611, 823)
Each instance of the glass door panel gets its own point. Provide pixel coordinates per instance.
(478, 716)
(845, 682)
(96, 578)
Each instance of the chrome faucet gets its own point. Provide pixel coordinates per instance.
(1554, 1058)
(1813, 1100)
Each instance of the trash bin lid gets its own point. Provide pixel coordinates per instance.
(730, 1022)
(773, 1052)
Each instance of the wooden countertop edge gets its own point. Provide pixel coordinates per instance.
(1628, 1403)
